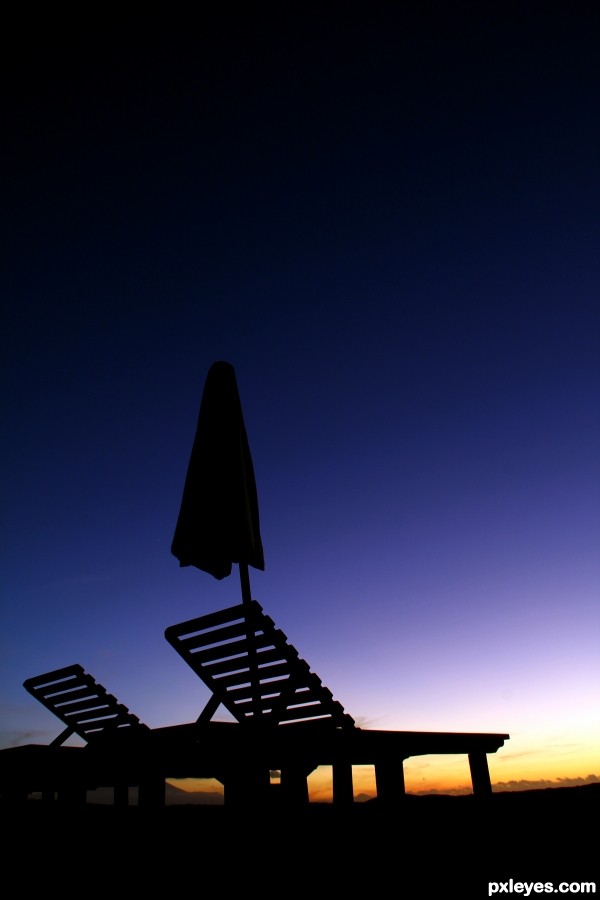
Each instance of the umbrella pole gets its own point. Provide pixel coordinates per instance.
(252, 661)
(245, 582)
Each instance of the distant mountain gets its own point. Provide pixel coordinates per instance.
(174, 796)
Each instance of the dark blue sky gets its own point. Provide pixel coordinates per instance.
(387, 222)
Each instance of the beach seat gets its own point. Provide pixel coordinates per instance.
(83, 705)
(259, 677)
(113, 755)
(289, 721)
(253, 670)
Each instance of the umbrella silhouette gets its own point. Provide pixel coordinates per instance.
(218, 522)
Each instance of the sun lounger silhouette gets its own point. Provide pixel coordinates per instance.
(83, 705)
(284, 720)
(288, 721)
(112, 756)
(253, 670)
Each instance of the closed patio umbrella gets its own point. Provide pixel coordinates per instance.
(218, 522)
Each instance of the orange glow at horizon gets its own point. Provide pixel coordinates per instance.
(545, 757)
(443, 774)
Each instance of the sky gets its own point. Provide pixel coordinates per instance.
(386, 220)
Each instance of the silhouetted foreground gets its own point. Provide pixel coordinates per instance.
(453, 844)
(287, 720)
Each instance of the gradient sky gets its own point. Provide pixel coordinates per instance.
(387, 222)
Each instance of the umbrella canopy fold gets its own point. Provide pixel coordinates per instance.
(218, 521)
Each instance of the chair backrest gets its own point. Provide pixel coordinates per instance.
(83, 705)
(253, 671)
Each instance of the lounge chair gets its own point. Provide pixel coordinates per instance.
(85, 707)
(253, 670)
(288, 721)
(259, 677)
(114, 737)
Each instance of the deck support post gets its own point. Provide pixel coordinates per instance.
(480, 774)
(343, 789)
(389, 780)
(294, 786)
(151, 793)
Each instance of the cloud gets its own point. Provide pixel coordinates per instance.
(531, 785)
(518, 755)
(18, 738)
(366, 722)
(573, 782)
(521, 785)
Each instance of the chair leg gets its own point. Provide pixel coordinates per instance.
(294, 787)
(121, 795)
(343, 789)
(389, 779)
(151, 793)
(480, 774)
(74, 795)
(246, 786)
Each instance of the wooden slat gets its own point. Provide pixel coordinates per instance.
(302, 685)
(108, 727)
(226, 651)
(211, 620)
(64, 702)
(229, 682)
(88, 715)
(216, 636)
(67, 708)
(269, 673)
(273, 689)
(82, 717)
(279, 670)
(266, 677)
(247, 612)
(52, 677)
(264, 657)
(305, 713)
(201, 657)
(94, 726)
(247, 706)
(65, 688)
